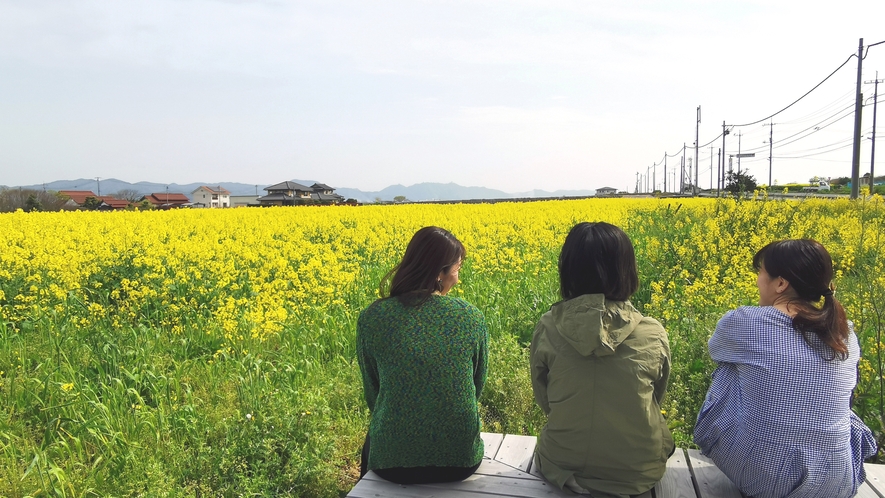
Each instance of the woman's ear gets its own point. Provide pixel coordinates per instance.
(782, 285)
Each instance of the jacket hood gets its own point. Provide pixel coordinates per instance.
(594, 326)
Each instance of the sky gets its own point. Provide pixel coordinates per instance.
(513, 95)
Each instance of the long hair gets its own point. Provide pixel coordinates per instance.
(597, 258)
(808, 267)
(432, 250)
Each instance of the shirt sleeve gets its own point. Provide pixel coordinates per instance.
(736, 339)
(368, 367)
(538, 358)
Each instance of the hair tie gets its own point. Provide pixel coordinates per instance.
(827, 293)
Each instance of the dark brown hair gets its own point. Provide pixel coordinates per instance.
(597, 258)
(808, 267)
(432, 250)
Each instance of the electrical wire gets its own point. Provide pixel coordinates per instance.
(816, 153)
(803, 96)
(871, 46)
(799, 120)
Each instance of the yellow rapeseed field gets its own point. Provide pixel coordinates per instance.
(135, 343)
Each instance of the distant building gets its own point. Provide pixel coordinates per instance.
(111, 203)
(212, 197)
(325, 194)
(167, 200)
(606, 191)
(291, 193)
(76, 198)
(243, 200)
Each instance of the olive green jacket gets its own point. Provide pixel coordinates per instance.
(599, 372)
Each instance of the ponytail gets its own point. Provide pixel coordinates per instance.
(828, 323)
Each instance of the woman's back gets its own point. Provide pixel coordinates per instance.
(791, 392)
(777, 419)
(423, 370)
(599, 371)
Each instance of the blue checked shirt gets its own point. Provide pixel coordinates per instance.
(776, 419)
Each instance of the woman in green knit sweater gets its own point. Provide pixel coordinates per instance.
(423, 358)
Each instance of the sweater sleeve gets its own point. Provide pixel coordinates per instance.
(481, 358)
(538, 358)
(368, 367)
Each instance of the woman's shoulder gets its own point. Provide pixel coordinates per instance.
(455, 303)
(380, 307)
(749, 315)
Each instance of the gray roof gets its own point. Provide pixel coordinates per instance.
(319, 196)
(277, 196)
(321, 186)
(288, 186)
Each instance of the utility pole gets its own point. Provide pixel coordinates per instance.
(770, 126)
(692, 187)
(665, 171)
(739, 151)
(711, 169)
(649, 180)
(636, 190)
(873, 151)
(682, 170)
(718, 173)
(654, 172)
(722, 153)
(858, 101)
(697, 131)
(98, 185)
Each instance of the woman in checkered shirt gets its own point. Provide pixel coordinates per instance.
(777, 418)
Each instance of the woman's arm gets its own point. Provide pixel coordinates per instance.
(481, 358)
(736, 337)
(368, 368)
(664, 379)
(538, 359)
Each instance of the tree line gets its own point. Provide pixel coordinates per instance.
(29, 200)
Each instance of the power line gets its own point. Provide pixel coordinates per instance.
(803, 96)
(819, 153)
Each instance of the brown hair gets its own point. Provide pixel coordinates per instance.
(432, 250)
(597, 258)
(808, 267)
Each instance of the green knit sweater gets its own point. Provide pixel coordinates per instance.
(423, 371)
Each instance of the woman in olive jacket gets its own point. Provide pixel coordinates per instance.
(599, 372)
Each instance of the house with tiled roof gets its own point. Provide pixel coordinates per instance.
(293, 193)
(77, 198)
(109, 202)
(167, 200)
(324, 194)
(212, 197)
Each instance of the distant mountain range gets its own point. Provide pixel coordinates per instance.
(418, 192)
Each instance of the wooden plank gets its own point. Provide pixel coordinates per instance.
(492, 478)
(866, 491)
(676, 482)
(710, 481)
(517, 451)
(492, 441)
(494, 468)
(876, 477)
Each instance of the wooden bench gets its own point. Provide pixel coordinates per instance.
(506, 470)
